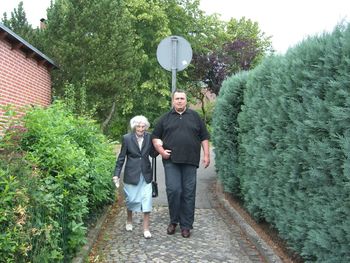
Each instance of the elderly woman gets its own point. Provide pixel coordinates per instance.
(136, 149)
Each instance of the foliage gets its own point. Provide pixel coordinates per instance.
(151, 25)
(111, 63)
(226, 130)
(293, 147)
(101, 55)
(238, 46)
(14, 220)
(208, 118)
(60, 176)
(19, 23)
(241, 48)
(246, 30)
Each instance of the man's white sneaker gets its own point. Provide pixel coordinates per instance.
(147, 234)
(128, 226)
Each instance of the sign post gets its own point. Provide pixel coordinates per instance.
(174, 54)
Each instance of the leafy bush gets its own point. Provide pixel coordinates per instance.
(15, 176)
(66, 179)
(15, 237)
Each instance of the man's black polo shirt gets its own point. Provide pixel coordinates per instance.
(182, 134)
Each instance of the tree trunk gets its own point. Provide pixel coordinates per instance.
(203, 109)
(109, 117)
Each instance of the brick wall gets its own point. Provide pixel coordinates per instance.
(23, 81)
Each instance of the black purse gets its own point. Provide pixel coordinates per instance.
(154, 182)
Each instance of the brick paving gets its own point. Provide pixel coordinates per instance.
(217, 237)
(211, 240)
(219, 234)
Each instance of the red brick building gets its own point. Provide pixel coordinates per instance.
(25, 77)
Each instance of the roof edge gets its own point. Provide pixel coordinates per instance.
(17, 38)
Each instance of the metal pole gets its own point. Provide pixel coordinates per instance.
(173, 63)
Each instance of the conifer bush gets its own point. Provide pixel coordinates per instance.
(293, 152)
(225, 136)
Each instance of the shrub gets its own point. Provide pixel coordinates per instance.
(63, 176)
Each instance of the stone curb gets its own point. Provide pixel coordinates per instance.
(266, 251)
(93, 233)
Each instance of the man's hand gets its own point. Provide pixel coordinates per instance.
(206, 154)
(166, 154)
(206, 161)
(116, 181)
(158, 145)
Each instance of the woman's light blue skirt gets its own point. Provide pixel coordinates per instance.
(138, 198)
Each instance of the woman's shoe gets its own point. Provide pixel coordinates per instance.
(128, 226)
(147, 234)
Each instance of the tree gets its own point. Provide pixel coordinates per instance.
(155, 20)
(245, 35)
(243, 48)
(205, 34)
(99, 57)
(151, 25)
(108, 66)
(18, 23)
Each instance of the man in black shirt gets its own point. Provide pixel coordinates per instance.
(178, 137)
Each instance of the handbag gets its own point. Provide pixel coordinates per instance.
(154, 189)
(154, 182)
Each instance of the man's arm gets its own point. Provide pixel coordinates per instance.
(206, 153)
(158, 145)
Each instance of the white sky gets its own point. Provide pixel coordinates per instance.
(287, 21)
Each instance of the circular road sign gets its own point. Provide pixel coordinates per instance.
(174, 52)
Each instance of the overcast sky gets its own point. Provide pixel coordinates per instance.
(287, 21)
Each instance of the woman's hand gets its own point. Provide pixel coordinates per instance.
(116, 181)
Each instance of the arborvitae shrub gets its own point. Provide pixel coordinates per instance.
(293, 145)
(226, 129)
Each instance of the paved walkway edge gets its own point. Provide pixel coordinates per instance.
(266, 251)
(92, 235)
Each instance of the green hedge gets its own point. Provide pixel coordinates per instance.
(225, 134)
(66, 179)
(293, 145)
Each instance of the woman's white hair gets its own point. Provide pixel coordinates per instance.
(137, 120)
